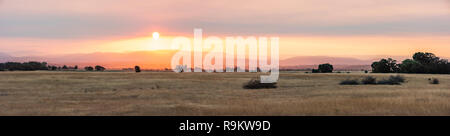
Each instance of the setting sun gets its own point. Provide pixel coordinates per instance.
(155, 35)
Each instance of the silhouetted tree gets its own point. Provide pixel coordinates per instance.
(89, 68)
(137, 69)
(315, 71)
(54, 68)
(99, 68)
(325, 68)
(425, 58)
(2, 67)
(31, 65)
(411, 66)
(431, 63)
(421, 63)
(26, 66)
(76, 67)
(385, 66)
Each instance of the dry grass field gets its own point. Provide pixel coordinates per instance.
(164, 93)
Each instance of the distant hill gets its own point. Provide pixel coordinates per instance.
(145, 59)
(336, 67)
(4, 57)
(315, 60)
(161, 59)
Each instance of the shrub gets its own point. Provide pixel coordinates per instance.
(89, 68)
(393, 80)
(349, 82)
(365, 71)
(433, 81)
(137, 69)
(397, 78)
(99, 68)
(388, 82)
(256, 84)
(369, 80)
(315, 71)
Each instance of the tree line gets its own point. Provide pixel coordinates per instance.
(421, 62)
(26, 66)
(96, 68)
(33, 65)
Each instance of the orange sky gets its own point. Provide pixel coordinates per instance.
(290, 46)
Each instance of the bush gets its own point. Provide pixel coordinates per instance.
(256, 84)
(99, 68)
(315, 71)
(89, 68)
(349, 82)
(392, 80)
(369, 80)
(137, 69)
(388, 82)
(397, 78)
(433, 81)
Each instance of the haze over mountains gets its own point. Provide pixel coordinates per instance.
(161, 59)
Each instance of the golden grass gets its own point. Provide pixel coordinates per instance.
(164, 93)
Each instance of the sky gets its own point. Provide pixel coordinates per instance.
(350, 28)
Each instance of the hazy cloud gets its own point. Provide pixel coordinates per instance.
(104, 18)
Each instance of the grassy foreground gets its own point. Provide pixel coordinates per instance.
(163, 93)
